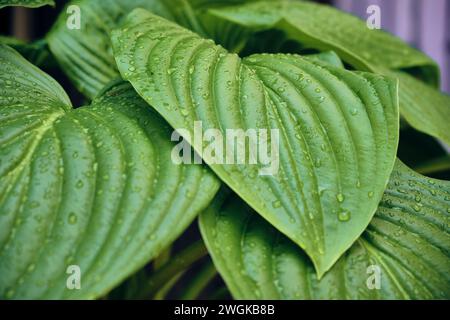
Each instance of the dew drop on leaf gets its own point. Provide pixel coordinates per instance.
(344, 215)
(72, 218)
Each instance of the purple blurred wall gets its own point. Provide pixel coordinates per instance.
(425, 24)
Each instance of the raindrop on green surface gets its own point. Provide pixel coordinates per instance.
(276, 204)
(72, 218)
(340, 197)
(344, 215)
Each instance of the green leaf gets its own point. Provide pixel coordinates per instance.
(85, 54)
(36, 52)
(326, 58)
(338, 130)
(26, 3)
(424, 107)
(325, 28)
(92, 187)
(408, 240)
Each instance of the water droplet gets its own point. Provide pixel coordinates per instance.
(131, 69)
(344, 215)
(276, 204)
(370, 194)
(416, 208)
(340, 197)
(318, 163)
(72, 218)
(79, 184)
(184, 112)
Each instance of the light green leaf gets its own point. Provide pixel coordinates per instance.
(26, 3)
(92, 187)
(407, 245)
(338, 130)
(325, 28)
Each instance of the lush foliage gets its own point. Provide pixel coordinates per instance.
(96, 186)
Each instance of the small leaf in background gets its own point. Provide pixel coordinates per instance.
(325, 28)
(403, 254)
(26, 3)
(93, 188)
(338, 129)
(35, 52)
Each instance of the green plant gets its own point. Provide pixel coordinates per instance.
(96, 186)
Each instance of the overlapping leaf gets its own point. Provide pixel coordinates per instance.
(36, 52)
(324, 28)
(338, 130)
(403, 254)
(92, 187)
(85, 54)
(26, 3)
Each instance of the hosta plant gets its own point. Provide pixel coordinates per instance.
(92, 201)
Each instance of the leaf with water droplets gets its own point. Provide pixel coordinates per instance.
(322, 149)
(93, 187)
(85, 53)
(403, 254)
(325, 28)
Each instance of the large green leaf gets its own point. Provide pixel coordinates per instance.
(338, 130)
(92, 187)
(26, 3)
(85, 54)
(325, 28)
(408, 242)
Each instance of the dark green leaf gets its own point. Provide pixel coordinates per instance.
(36, 52)
(93, 187)
(408, 242)
(26, 3)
